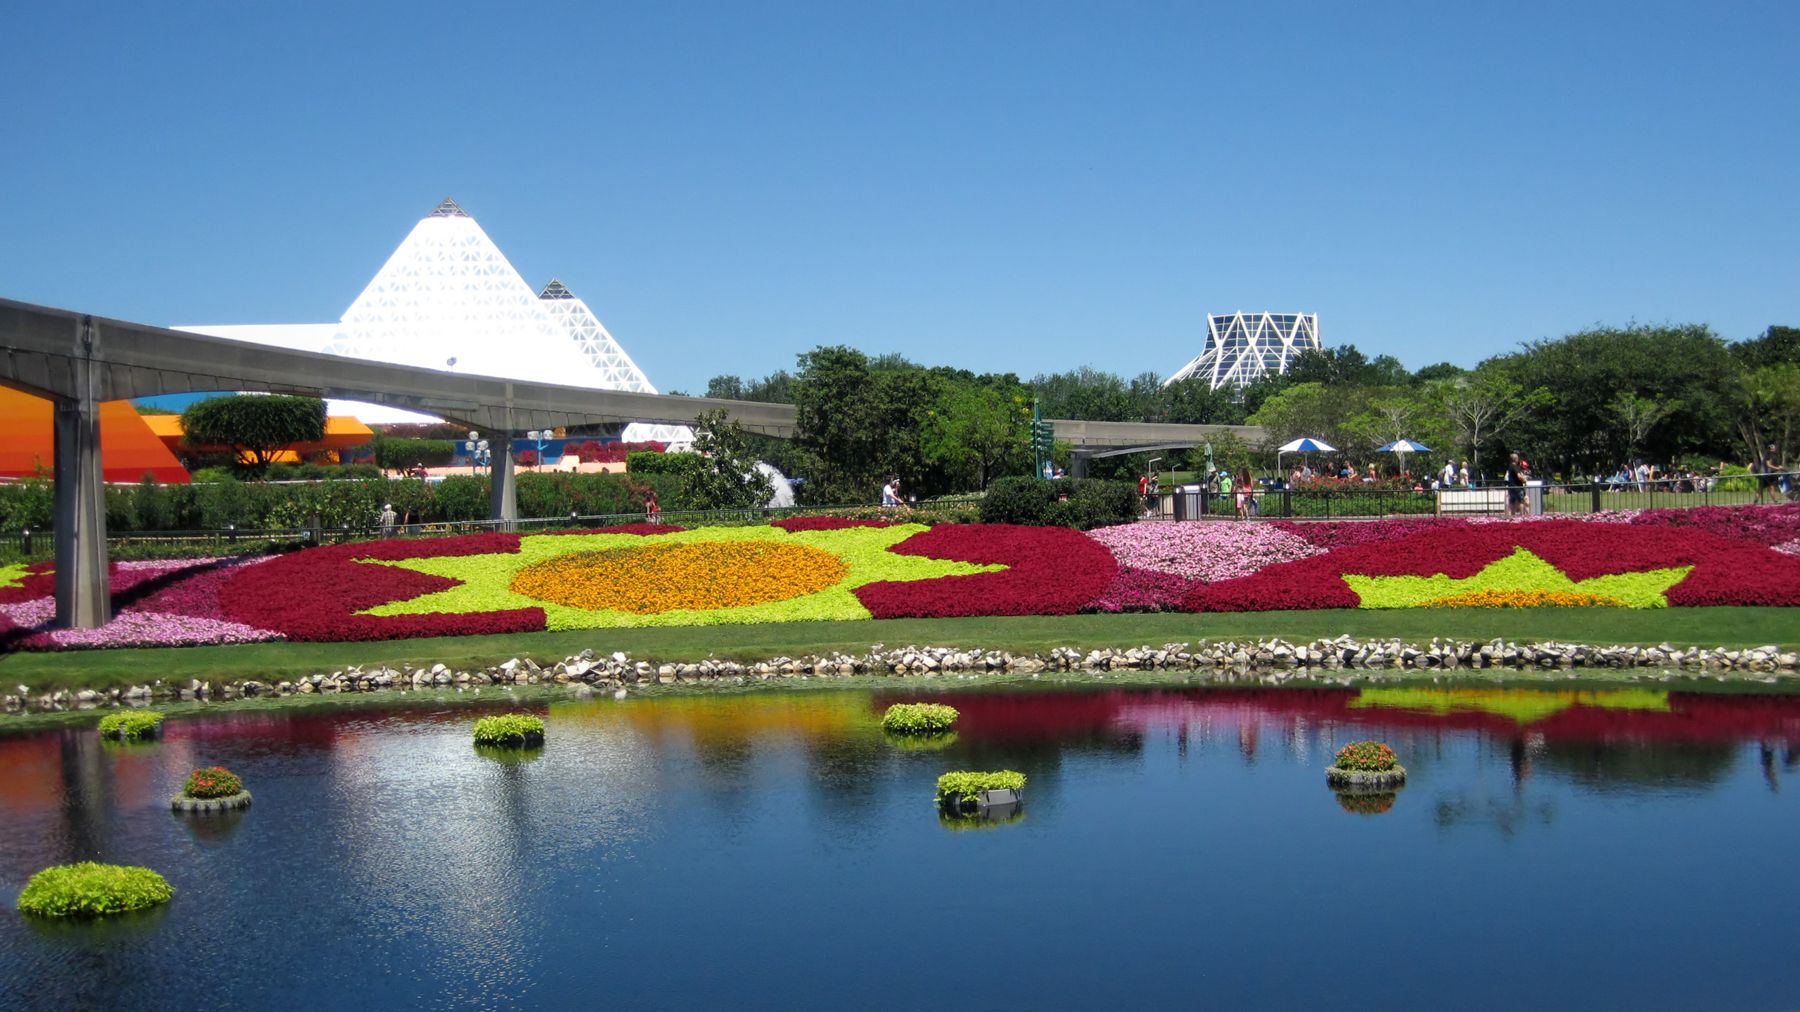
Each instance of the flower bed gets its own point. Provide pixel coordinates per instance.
(1036, 571)
(1634, 565)
(841, 568)
(1368, 766)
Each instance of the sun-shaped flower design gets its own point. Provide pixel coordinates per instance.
(706, 576)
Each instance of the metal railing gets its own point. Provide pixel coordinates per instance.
(37, 544)
(1197, 503)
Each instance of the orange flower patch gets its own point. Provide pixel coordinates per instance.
(1526, 599)
(693, 576)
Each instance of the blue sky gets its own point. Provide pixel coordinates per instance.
(997, 186)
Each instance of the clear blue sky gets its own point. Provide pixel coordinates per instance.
(994, 185)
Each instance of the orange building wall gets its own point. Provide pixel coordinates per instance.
(128, 449)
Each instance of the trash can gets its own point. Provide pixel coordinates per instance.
(1534, 497)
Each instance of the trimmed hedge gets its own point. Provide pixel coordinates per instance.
(918, 718)
(88, 889)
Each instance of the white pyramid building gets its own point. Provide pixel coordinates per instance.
(1243, 346)
(449, 299)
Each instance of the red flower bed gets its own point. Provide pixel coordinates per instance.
(316, 594)
(1054, 571)
(1766, 525)
(38, 583)
(794, 525)
(1726, 571)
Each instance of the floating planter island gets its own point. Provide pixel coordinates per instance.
(1368, 766)
(131, 725)
(88, 889)
(510, 730)
(213, 789)
(990, 795)
(919, 718)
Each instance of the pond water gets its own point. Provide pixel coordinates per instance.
(1564, 849)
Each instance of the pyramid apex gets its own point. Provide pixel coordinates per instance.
(448, 209)
(556, 290)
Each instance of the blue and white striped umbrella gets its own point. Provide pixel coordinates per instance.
(1403, 446)
(1306, 444)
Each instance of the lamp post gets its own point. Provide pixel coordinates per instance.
(538, 438)
(477, 449)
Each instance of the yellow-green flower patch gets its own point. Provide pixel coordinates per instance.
(1520, 571)
(488, 581)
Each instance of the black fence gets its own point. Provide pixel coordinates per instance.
(36, 545)
(1195, 502)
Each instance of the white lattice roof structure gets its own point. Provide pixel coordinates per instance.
(1243, 346)
(449, 299)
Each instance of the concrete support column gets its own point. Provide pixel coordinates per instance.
(503, 490)
(83, 596)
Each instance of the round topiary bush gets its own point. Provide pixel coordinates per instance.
(88, 889)
(918, 718)
(960, 791)
(510, 730)
(131, 725)
(212, 789)
(1365, 764)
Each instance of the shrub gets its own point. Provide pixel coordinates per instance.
(653, 462)
(918, 718)
(960, 787)
(1366, 757)
(132, 725)
(515, 730)
(1082, 503)
(88, 889)
(212, 782)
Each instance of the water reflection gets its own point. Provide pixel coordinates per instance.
(384, 846)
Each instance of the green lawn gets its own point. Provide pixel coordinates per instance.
(1680, 626)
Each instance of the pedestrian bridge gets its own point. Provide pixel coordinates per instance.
(78, 360)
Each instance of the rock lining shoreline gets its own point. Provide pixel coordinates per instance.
(1272, 661)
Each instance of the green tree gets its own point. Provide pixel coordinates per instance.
(254, 427)
(729, 479)
(1776, 346)
(1638, 416)
(1484, 406)
(976, 431)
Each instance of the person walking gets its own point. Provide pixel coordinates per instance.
(388, 519)
(890, 493)
(652, 511)
(1243, 493)
(1768, 471)
(1447, 477)
(1515, 486)
(1462, 475)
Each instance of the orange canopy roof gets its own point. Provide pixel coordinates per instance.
(128, 449)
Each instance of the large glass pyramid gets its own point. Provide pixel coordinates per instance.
(449, 299)
(1243, 346)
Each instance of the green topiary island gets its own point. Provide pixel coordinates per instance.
(965, 791)
(213, 789)
(131, 725)
(510, 730)
(88, 889)
(918, 718)
(1365, 765)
